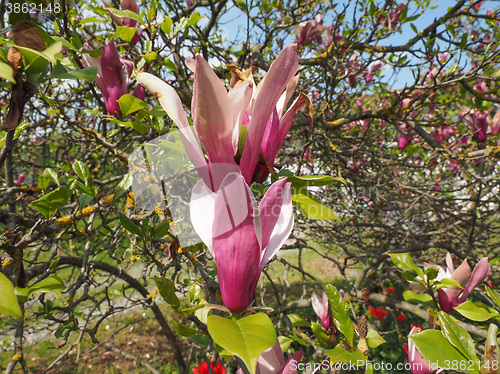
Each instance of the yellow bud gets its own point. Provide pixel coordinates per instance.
(106, 201)
(87, 211)
(130, 200)
(153, 295)
(6, 262)
(64, 221)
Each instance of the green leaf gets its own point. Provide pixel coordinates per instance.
(340, 354)
(340, 313)
(404, 261)
(166, 26)
(284, 342)
(493, 295)
(314, 180)
(8, 300)
(126, 13)
(130, 104)
(35, 62)
(6, 72)
(246, 338)
(297, 321)
(49, 203)
(76, 42)
(123, 186)
(43, 182)
(320, 335)
(126, 33)
(457, 336)
(374, 339)
(424, 298)
(438, 351)
(19, 129)
(162, 229)
(130, 226)
(87, 74)
(167, 291)
(60, 331)
(476, 311)
(50, 284)
(450, 282)
(150, 57)
(51, 175)
(84, 200)
(310, 206)
(195, 294)
(182, 330)
(193, 20)
(53, 264)
(82, 171)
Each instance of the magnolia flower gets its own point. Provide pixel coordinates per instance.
(218, 115)
(268, 124)
(322, 309)
(478, 123)
(453, 295)
(404, 141)
(418, 364)
(242, 236)
(112, 76)
(272, 361)
(307, 32)
(20, 179)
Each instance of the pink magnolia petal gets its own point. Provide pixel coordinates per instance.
(270, 149)
(113, 78)
(479, 274)
(318, 306)
(419, 364)
(271, 361)
(445, 303)
(211, 117)
(449, 263)
(139, 92)
(276, 212)
(235, 244)
(233, 205)
(88, 61)
(201, 208)
(462, 273)
(130, 5)
(239, 97)
(191, 64)
(276, 80)
(270, 140)
(287, 95)
(290, 366)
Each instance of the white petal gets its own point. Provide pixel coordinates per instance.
(282, 229)
(167, 96)
(202, 212)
